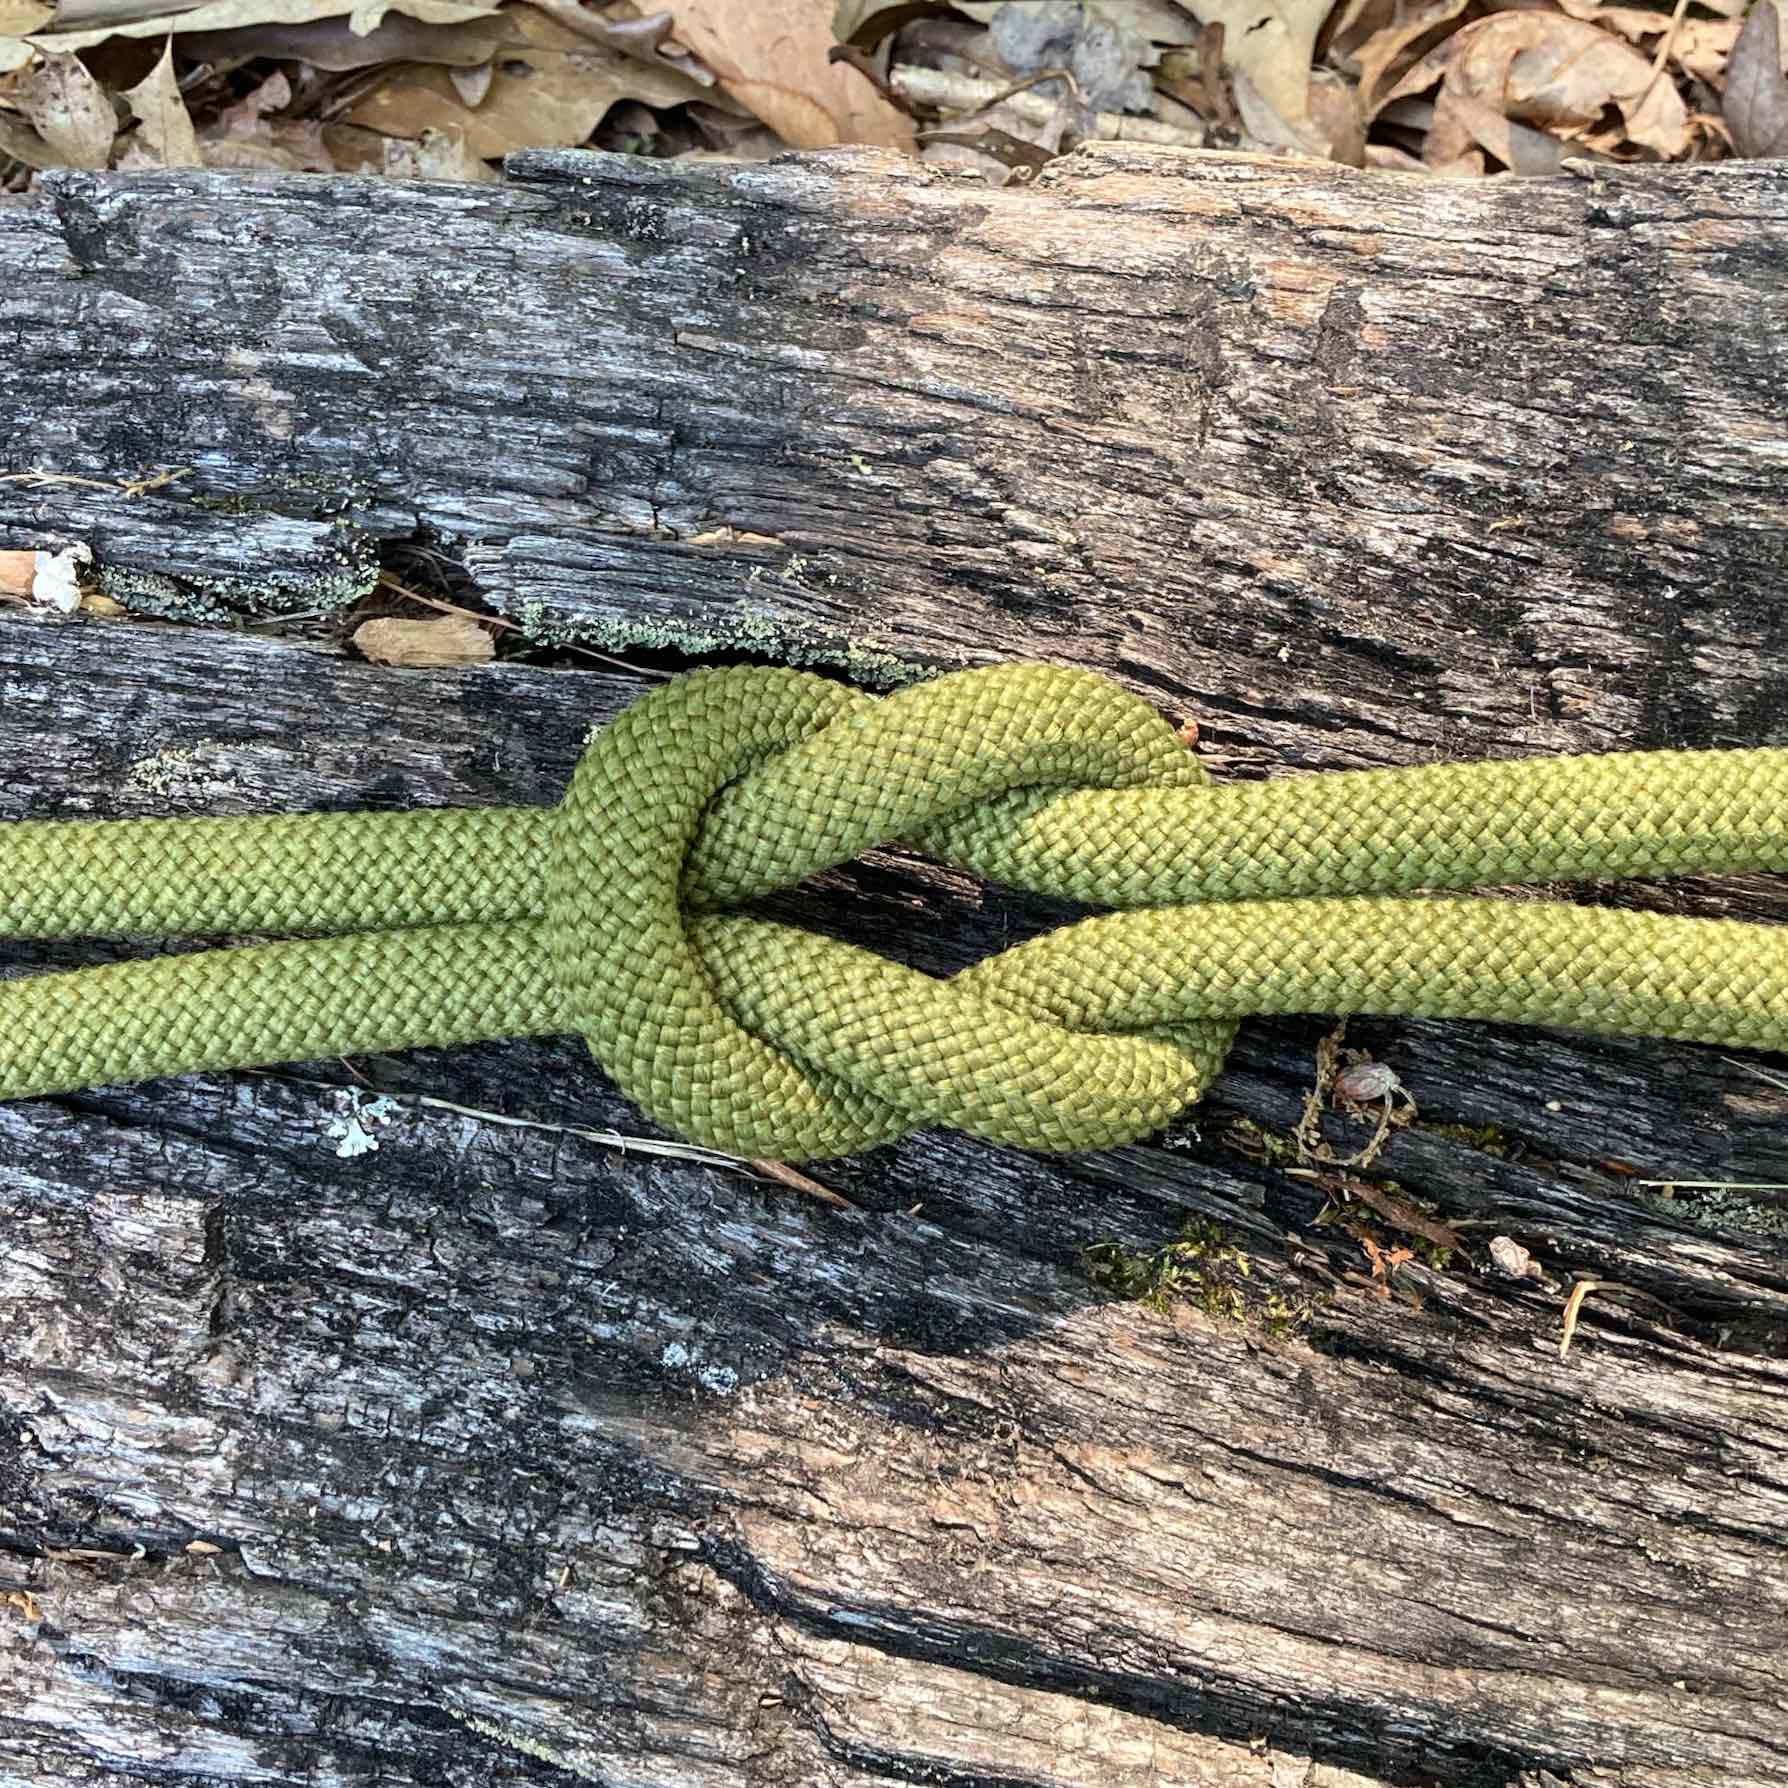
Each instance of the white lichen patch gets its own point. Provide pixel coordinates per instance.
(719, 1381)
(57, 577)
(357, 1121)
(183, 772)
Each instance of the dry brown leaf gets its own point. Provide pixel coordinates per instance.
(436, 155)
(549, 89)
(1385, 1262)
(1271, 42)
(18, 18)
(246, 114)
(1756, 103)
(225, 15)
(1379, 55)
(1518, 147)
(1160, 21)
(770, 57)
(352, 150)
(453, 639)
(1353, 21)
(17, 568)
(1387, 158)
(1333, 127)
(1699, 46)
(1265, 129)
(1402, 1214)
(167, 136)
(1556, 73)
(331, 44)
(473, 84)
(244, 135)
(68, 109)
(295, 147)
(24, 144)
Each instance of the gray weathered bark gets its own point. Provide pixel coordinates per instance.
(512, 1450)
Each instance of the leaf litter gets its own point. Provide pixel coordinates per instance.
(443, 89)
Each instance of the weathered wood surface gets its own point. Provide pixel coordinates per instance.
(1491, 463)
(507, 1453)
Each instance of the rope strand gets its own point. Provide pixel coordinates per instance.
(606, 914)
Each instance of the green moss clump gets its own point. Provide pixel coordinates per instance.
(1200, 1266)
(1257, 1142)
(1487, 1139)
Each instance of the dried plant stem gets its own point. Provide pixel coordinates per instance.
(944, 91)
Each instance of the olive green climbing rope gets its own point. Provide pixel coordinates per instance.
(608, 915)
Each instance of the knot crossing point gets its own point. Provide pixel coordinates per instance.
(731, 784)
(614, 913)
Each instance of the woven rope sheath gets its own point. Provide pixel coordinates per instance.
(609, 915)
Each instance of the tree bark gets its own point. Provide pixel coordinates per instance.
(523, 1446)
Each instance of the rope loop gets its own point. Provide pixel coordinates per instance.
(730, 784)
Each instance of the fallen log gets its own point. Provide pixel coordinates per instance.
(430, 1418)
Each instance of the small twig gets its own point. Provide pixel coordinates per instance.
(1775, 1080)
(863, 61)
(942, 91)
(1763, 1192)
(1669, 44)
(788, 1176)
(1573, 1304)
(296, 614)
(1582, 1289)
(136, 487)
(1030, 81)
(1719, 1185)
(328, 103)
(638, 1145)
(131, 487)
(37, 476)
(1024, 159)
(884, 21)
(642, 39)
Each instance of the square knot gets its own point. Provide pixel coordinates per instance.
(767, 1041)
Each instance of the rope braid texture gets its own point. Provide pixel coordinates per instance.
(608, 914)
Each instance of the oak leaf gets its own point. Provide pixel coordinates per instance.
(1545, 70)
(770, 57)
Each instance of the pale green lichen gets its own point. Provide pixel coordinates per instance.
(351, 571)
(747, 630)
(1731, 1205)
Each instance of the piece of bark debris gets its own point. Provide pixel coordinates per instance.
(453, 639)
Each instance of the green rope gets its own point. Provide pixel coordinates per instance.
(608, 915)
